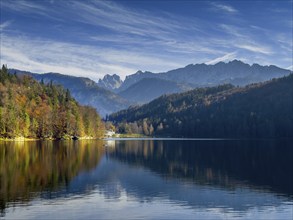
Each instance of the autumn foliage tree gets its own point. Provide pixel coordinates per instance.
(35, 110)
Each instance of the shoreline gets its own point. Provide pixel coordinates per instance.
(23, 139)
(105, 138)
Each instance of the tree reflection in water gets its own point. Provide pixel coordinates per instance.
(261, 164)
(29, 168)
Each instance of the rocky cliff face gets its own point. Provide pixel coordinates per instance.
(110, 82)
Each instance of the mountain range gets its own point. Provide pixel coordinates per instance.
(199, 75)
(112, 94)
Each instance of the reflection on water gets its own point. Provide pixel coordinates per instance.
(28, 168)
(147, 179)
(263, 164)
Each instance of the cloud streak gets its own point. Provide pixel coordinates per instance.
(4, 25)
(224, 7)
(226, 57)
(75, 59)
(255, 48)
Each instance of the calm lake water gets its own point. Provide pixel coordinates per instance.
(153, 179)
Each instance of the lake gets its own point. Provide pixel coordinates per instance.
(147, 178)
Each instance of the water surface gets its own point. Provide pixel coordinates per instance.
(145, 178)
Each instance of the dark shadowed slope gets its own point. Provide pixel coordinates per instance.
(257, 110)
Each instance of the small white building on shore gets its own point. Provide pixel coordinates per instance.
(109, 133)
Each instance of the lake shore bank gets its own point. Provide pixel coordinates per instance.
(23, 139)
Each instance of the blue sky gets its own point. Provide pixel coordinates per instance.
(92, 38)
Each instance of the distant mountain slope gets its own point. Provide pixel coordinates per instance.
(257, 110)
(148, 89)
(134, 78)
(198, 75)
(85, 91)
(110, 82)
(235, 72)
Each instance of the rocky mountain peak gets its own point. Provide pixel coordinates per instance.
(110, 82)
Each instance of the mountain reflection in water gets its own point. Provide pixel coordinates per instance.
(236, 176)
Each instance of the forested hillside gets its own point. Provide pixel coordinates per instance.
(257, 110)
(36, 110)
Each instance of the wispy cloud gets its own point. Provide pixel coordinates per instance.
(124, 25)
(122, 20)
(226, 57)
(29, 7)
(224, 7)
(242, 38)
(233, 30)
(4, 25)
(255, 48)
(23, 6)
(79, 60)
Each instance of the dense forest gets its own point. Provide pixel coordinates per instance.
(36, 110)
(257, 110)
